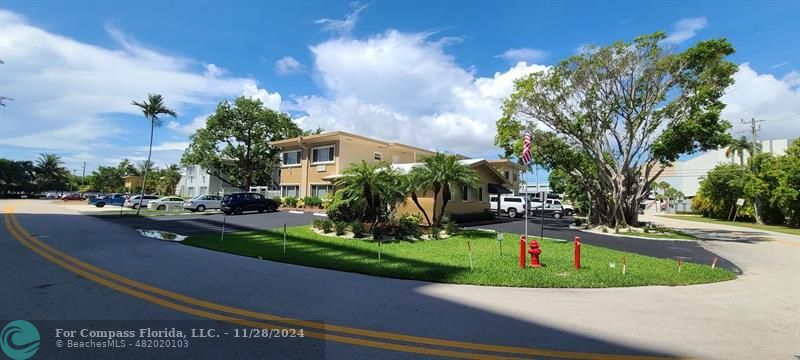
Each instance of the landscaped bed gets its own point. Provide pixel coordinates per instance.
(447, 260)
(777, 228)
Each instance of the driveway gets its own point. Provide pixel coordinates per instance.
(690, 251)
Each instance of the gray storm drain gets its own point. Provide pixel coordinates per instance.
(161, 235)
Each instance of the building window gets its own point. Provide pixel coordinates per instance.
(505, 174)
(480, 194)
(191, 191)
(203, 190)
(377, 156)
(395, 159)
(320, 190)
(465, 193)
(291, 157)
(449, 196)
(516, 176)
(290, 190)
(322, 154)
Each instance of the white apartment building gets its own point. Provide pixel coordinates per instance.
(685, 175)
(196, 181)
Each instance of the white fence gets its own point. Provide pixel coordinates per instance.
(265, 190)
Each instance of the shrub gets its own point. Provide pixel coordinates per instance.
(408, 226)
(435, 233)
(605, 229)
(340, 227)
(290, 201)
(300, 203)
(312, 201)
(358, 229)
(317, 223)
(340, 209)
(278, 200)
(451, 228)
(578, 222)
(326, 226)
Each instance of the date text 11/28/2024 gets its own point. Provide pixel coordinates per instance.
(247, 333)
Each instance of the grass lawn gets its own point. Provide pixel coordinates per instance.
(447, 260)
(777, 228)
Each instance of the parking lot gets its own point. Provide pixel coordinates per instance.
(204, 224)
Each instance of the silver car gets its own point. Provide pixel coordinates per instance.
(202, 202)
(166, 203)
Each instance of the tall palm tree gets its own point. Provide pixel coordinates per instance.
(152, 108)
(444, 173)
(739, 147)
(50, 171)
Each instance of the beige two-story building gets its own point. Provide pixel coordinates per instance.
(310, 165)
(510, 170)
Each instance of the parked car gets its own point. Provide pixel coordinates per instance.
(133, 201)
(165, 202)
(51, 196)
(110, 199)
(237, 203)
(555, 212)
(511, 205)
(69, 197)
(202, 202)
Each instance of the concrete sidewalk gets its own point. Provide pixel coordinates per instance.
(718, 232)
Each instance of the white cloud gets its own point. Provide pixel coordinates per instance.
(189, 128)
(685, 29)
(168, 146)
(524, 54)
(288, 65)
(67, 92)
(344, 26)
(762, 96)
(435, 104)
(270, 100)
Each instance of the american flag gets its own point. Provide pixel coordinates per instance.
(526, 149)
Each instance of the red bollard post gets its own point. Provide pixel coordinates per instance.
(577, 252)
(522, 251)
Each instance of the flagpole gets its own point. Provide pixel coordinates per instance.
(527, 205)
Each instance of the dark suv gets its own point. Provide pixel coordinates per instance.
(238, 203)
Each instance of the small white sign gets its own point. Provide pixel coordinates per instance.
(739, 202)
(499, 236)
(320, 168)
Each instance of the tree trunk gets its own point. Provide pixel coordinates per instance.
(424, 213)
(445, 197)
(146, 168)
(758, 210)
(436, 189)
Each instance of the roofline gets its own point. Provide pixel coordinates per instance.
(507, 161)
(310, 139)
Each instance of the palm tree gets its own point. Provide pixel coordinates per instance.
(50, 171)
(168, 179)
(419, 180)
(445, 172)
(377, 186)
(151, 108)
(739, 147)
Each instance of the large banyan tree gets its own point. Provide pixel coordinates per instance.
(614, 117)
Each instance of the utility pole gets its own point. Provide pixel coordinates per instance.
(83, 176)
(754, 129)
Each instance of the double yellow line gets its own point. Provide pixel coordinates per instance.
(325, 332)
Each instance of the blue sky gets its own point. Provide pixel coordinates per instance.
(382, 68)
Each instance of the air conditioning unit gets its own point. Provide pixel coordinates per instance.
(320, 168)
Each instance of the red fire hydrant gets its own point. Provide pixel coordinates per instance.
(522, 251)
(535, 251)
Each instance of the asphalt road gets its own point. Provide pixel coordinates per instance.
(755, 316)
